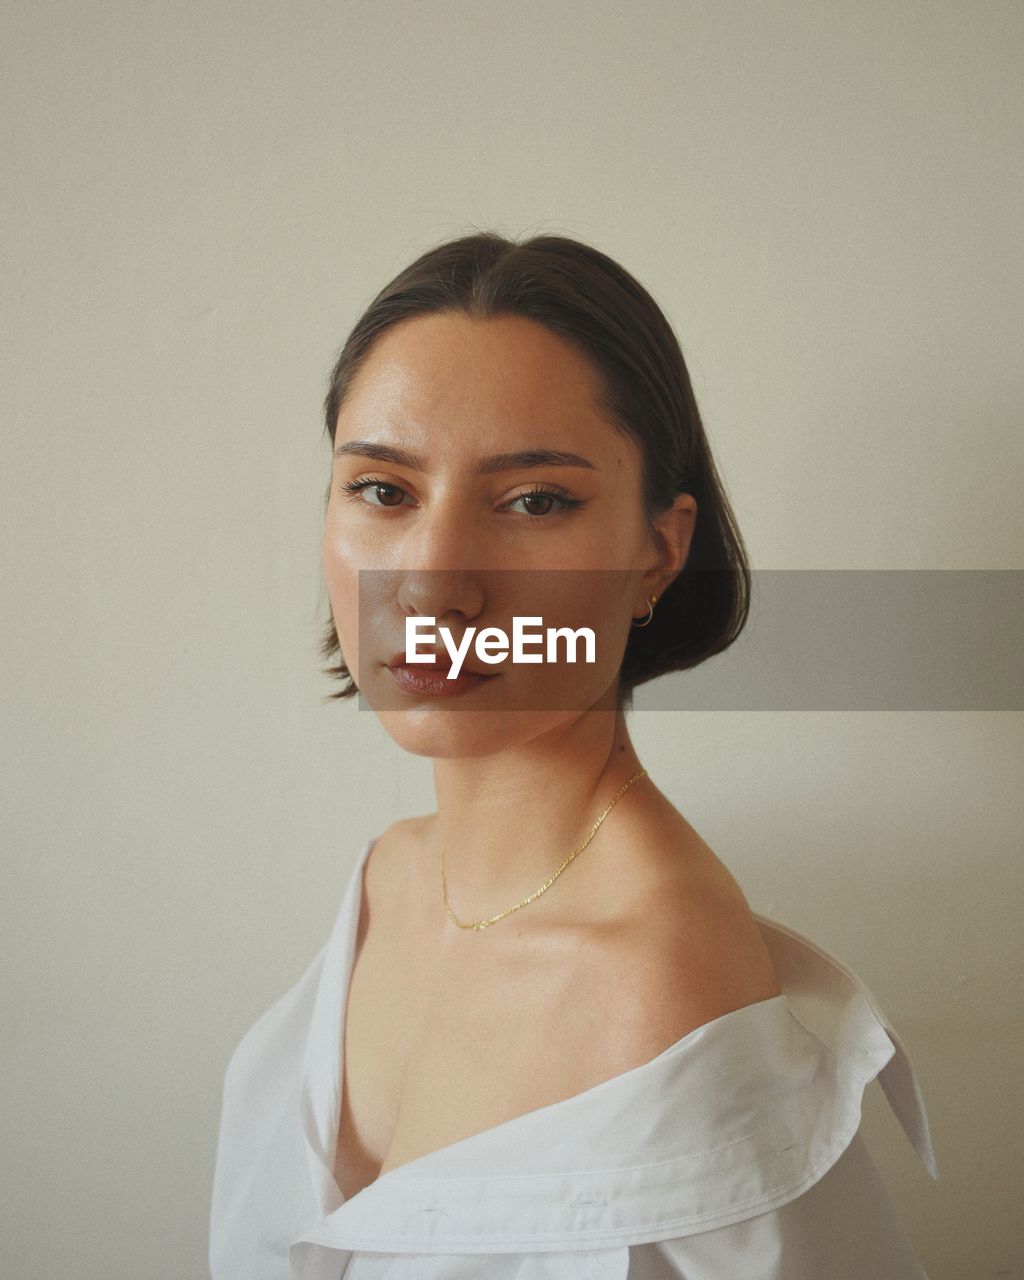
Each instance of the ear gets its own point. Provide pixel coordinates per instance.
(673, 533)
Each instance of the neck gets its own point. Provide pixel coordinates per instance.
(506, 822)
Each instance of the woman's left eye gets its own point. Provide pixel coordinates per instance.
(544, 498)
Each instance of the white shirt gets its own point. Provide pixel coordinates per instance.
(733, 1155)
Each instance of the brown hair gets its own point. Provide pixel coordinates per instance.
(585, 297)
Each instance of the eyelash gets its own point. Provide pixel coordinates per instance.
(353, 488)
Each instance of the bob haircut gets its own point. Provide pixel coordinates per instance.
(586, 298)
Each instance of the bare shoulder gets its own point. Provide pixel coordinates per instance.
(393, 856)
(689, 952)
(412, 832)
(403, 839)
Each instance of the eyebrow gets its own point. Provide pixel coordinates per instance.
(521, 459)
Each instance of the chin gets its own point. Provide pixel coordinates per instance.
(451, 735)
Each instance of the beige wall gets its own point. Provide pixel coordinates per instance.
(198, 200)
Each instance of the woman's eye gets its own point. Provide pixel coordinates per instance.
(539, 502)
(384, 494)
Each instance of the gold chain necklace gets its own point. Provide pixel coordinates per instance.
(482, 924)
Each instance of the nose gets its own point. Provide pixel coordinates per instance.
(438, 574)
(441, 536)
(447, 595)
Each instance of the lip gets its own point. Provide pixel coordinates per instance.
(442, 663)
(423, 680)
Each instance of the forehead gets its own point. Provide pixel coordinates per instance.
(503, 371)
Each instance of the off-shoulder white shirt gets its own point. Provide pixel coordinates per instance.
(733, 1155)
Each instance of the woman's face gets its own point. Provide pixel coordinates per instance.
(474, 481)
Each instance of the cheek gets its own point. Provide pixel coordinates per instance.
(607, 608)
(618, 540)
(599, 599)
(341, 575)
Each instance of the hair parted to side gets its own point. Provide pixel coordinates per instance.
(585, 297)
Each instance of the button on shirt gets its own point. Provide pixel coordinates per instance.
(733, 1155)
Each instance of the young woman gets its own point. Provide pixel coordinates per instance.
(548, 1036)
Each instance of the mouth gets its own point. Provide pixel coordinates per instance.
(442, 662)
(431, 681)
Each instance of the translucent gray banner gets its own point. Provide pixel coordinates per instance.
(814, 640)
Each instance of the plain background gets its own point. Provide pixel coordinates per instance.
(198, 201)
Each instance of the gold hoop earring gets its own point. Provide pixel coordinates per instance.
(652, 600)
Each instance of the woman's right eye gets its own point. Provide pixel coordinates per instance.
(383, 492)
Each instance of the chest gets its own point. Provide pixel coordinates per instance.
(440, 1046)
